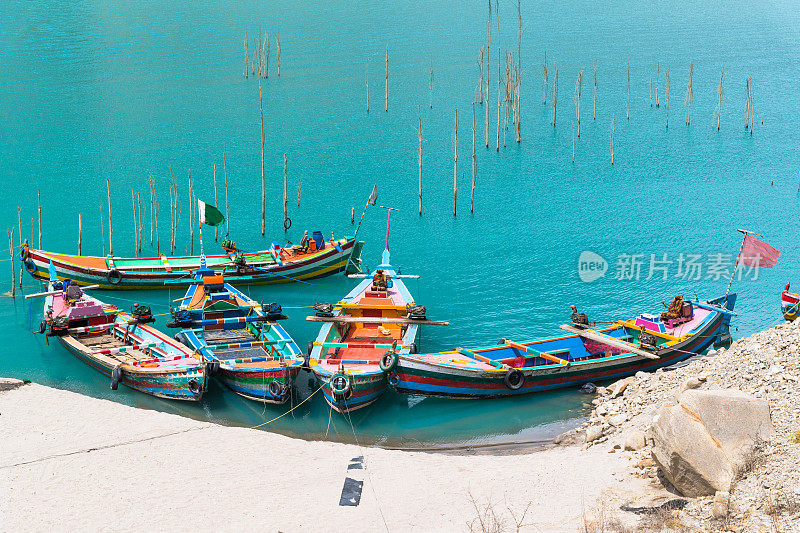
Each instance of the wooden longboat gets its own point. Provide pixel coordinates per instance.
(587, 355)
(362, 338)
(243, 344)
(276, 265)
(122, 346)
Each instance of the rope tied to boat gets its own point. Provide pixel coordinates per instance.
(290, 410)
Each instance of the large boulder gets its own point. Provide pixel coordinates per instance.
(702, 443)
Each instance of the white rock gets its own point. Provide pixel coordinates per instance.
(593, 433)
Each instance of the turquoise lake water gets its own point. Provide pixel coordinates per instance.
(96, 89)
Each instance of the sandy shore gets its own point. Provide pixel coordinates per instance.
(70, 462)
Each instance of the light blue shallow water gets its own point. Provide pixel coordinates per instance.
(110, 89)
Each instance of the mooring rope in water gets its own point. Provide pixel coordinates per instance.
(290, 410)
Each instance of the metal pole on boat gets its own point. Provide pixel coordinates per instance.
(744, 233)
(388, 222)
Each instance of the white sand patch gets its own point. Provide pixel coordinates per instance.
(69, 462)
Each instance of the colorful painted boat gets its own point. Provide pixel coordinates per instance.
(790, 303)
(122, 346)
(314, 259)
(587, 355)
(362, 336)
(241, 340)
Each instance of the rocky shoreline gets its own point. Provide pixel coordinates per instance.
(628, 418)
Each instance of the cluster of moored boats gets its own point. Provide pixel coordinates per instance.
(366, 344)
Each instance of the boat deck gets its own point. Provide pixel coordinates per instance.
(106, 341)
(232, 336)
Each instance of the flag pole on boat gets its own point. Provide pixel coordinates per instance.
(207, 214)
(757, 254)
(373, 197)
(385, 256)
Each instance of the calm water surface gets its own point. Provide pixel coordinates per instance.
(96, 89)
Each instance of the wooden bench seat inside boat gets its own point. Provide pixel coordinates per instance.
(106, 341)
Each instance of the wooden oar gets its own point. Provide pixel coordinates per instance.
(484, 359)
(53, 293)
(536, 353)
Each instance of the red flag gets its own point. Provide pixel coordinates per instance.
(757, 253)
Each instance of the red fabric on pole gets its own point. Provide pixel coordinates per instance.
(757, 253)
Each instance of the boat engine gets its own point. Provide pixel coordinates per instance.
(416, 312)
(59, 326)
(273, 311)
(142, 314)
(323, 308)
(579, 319)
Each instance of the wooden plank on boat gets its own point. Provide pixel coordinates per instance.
(373, 306)
(483, 359)
(53, 293)
(376, 320)
(544, 355)
(608, 339)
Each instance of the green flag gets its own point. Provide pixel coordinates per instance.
(209, 214)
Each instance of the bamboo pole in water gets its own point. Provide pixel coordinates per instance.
(658, 78)
(651, 85)
(245, 54)
(431, 82)
(667, 98)
(499, 76)
(420, 150)
(386, 101)
(577, 97)
(152, 207)
(488, 55)
(216, 201)
(719, 95)
(366, 80)
(155, 215)
(102, 231)
(474, 164)
(110, 226)
(747, 103)
(555, 92)
(39, 198)
(352, 215)
(227, 211)
(687, 103)
(80, 234)
(139, 203)
(278, 43)
(455, 163)
(135, 228)
(594, 95)
(263, 178)
(752, 111)
(299, 189)
(191, 214)
(265, 58)
(519, 70)
(544, 80)
(11, 253)
(628, 103)
(285, 197)
(480, 83)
